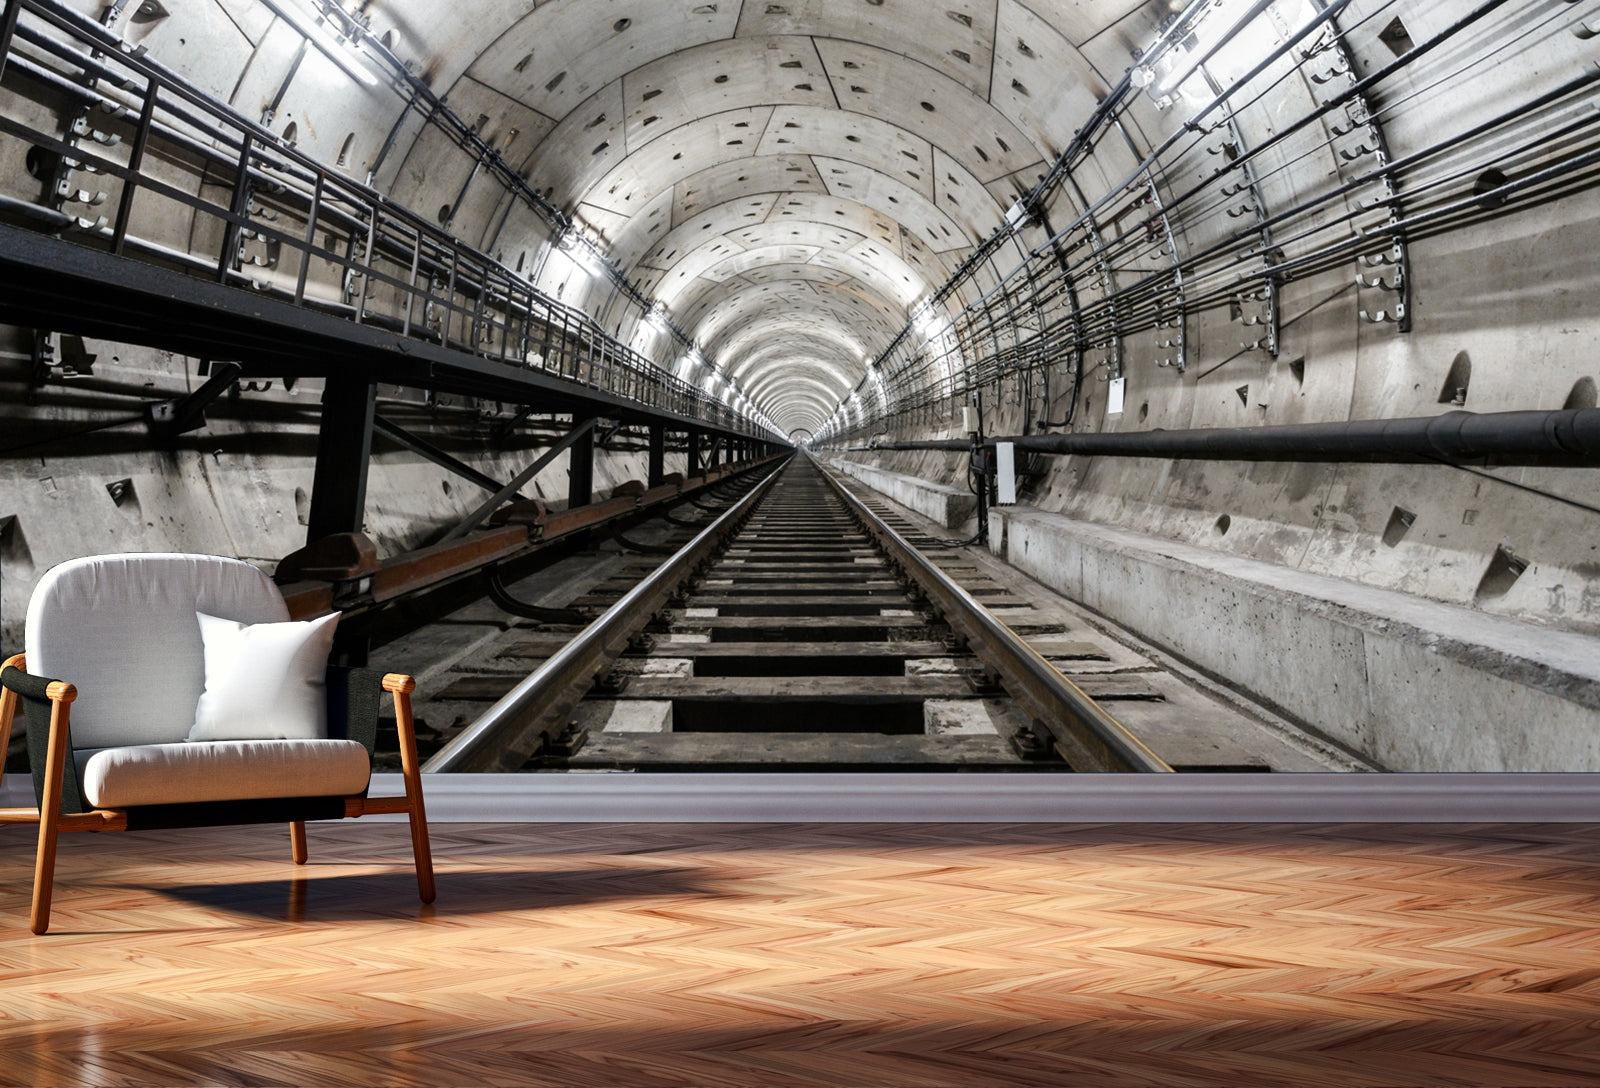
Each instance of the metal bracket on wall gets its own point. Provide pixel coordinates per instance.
(44, 357)
(169, 418)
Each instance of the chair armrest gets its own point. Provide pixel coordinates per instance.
(399, 682)
(44, 711)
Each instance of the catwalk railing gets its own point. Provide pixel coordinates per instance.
(117, 142)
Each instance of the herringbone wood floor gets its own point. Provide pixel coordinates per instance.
(812, 955)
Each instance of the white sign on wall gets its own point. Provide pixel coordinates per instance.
(1116, 389)
(1005, 467)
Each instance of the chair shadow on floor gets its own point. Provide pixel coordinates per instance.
(306, 897)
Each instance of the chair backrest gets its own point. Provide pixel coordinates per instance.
(122, 629)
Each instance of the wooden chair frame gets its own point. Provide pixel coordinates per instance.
(53, 822)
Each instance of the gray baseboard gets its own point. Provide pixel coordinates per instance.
(1009, 798)
(991, 798)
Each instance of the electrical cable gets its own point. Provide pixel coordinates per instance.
(67, 435)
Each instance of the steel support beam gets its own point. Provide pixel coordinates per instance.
(658, 455)
(344, 451)
(492, 503)
(8, 28)
(693, 436)
(427, 450)
(580, 468)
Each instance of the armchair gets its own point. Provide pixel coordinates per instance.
(109, 742)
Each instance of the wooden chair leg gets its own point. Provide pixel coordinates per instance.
(44, 876)
(44, 868)
(297, 841)
(412, 769)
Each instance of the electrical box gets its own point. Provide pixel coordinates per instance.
(1116, 390)
(971, 420)
(1005, 457)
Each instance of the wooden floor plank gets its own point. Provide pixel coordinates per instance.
(790, 955)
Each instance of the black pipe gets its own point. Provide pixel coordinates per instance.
(1569, 437)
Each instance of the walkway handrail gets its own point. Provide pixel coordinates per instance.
(378, 262)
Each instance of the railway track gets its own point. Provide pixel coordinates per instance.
(802, 628)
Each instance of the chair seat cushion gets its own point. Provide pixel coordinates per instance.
(239, 770)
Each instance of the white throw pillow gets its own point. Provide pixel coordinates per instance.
(264, 681)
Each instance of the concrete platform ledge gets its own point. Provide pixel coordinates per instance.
(949, 506)
(1413, 684)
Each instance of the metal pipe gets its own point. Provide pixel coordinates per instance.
(1567, 437)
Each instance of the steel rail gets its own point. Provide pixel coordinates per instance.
(506, 734)
(1086, 736)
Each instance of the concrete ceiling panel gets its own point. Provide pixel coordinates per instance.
(797, 301)
(955, 38)
(554, 56)
(1077, 20)
(712, 223)
(851, 310)
(961, 195)
(934, 267)
(722, 76)
(203, 42)
(739, 263)
(631, 182)
(442, 49)
(880, 274)
(1006, 190)
(1041, 81)
(866, 141)
(730, 180)
(912, 206)
(823, 362)
(603, 223)
(250, 17)
(673, 284)
(634, 235)
(510, 127)
(936, 108)
(793, 233)
(434, 169)
(850, 214)
(887, 272)
(811, 273)
(586, 144)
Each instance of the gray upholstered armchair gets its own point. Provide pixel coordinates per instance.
(165, 690)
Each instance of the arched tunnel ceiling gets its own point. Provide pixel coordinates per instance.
(789, 178)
